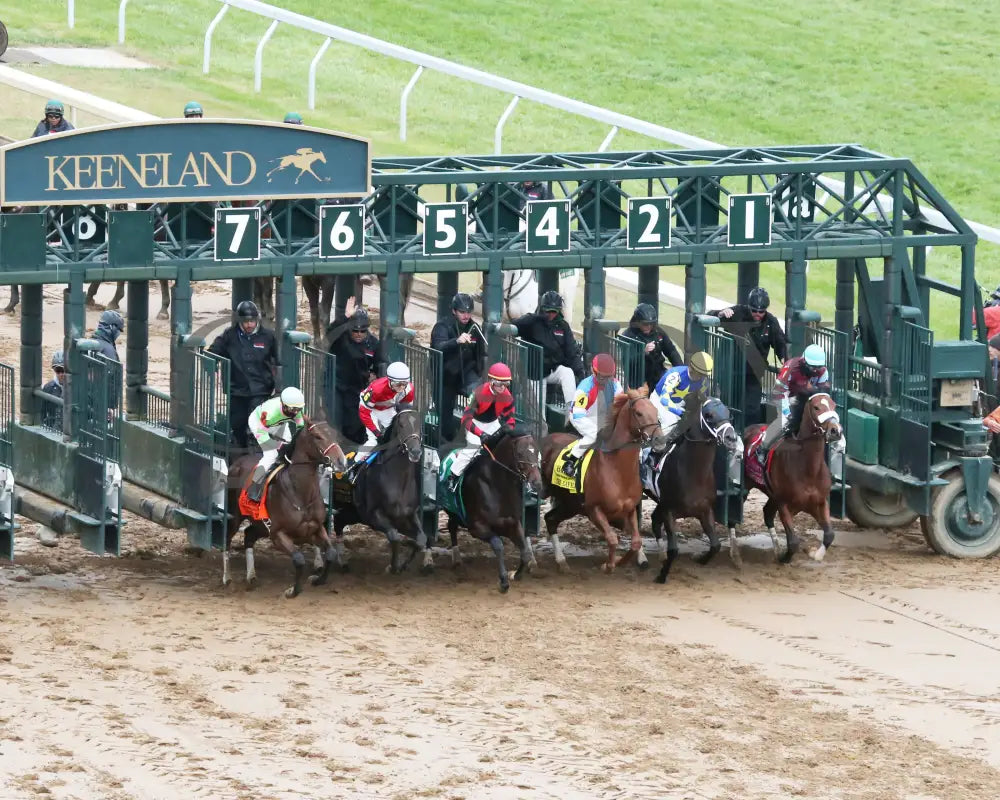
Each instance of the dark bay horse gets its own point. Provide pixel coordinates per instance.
(295, 506)
(799, 478)
(494, 501)
(164, 312)
(387, 492)
(686, 485)
(611, 487)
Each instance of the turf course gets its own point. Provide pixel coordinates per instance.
(768, 72)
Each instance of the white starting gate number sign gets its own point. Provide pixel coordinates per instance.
(341, 231)
(237, 234)
(446, 229)
(547, 223)
(648, 226)
(750, 218)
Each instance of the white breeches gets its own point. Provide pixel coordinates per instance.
(382, 418)
(564, 377)
(266, 462)
(587, 428)
(473, 443)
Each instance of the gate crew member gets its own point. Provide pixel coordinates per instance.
(358, 364)
(378, 404)
(463, 354)
(798, 377)
(490, 409)
(293, 118)
(673, 389)
(54, 120)
(109, 327)
(758, 327)
(52, 415)
(591, 402)
(659, 349)
(561, 361)
(193, 110)
(269, 421)
(253, 354)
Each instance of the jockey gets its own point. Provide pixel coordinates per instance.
(593, 398)
(799, 376)
(271, 417)
(673, 389)
(490, 409)
(378, 404)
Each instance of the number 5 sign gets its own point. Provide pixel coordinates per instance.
(341, 231)
(237, 234)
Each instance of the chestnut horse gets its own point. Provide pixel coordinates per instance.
(611, 488)
(294, 503)
(799, 479)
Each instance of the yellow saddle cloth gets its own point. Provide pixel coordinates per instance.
(564, 481)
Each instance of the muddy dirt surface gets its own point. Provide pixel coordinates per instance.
(874, 674)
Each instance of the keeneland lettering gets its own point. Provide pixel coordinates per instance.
(149, 170)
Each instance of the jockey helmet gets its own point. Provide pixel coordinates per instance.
(360, 321)
(293, 118)
(644, 312)
(700, 363)
(193, 109)
(398, 373)
(54, 107)
(758, 299)
(462, 302)
(292, 398)
(814, 356)
(247, 310)
(551, 301)
(499, 372)
(58, 359)
(603, 365)
(111, 319)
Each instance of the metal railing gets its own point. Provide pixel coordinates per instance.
(155, 406)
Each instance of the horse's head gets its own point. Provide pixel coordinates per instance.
(521, 456)
(642, 418)
(405, 430)
(821, 412)
(718, 423)
(320, 445)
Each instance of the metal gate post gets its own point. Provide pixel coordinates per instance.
(843, 318)
(447, 286)
(695, 291)
(795, 300)
(181, 379)
(747, 278)
(31, 352)
(242, 290)
(649, 286)
(285, 321)
(390, 308)
(136, 349)
(493, 298)
(74, 327)
(593, 306)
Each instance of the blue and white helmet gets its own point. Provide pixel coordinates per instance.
(815, 356)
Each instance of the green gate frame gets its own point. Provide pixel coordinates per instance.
(7, 524)
(630, 358)
(836, 346)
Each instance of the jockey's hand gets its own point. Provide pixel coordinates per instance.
(726, 313)
(650, 347)
(992, 425)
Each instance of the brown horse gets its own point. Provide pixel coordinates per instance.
(294, 504)
(120, 293)
(611, 487)
(799, 479)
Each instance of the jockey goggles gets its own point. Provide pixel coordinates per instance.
(499, 384)
(398, 386)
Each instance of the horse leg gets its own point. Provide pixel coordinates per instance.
(427, 565)
(672, 548)
(707, 520)
(553, 517)
(497, 544)
(630, 528)
(311, 287)
(91, 300)
(600, 520)
(770, 511)
(822, 516)
(281, 540)
(254, 532)
(318, 558)
(322, 540)
(119, 294)
(164, 312)
(790, 537)
(527, 563)
(341, 550)
(456, 554)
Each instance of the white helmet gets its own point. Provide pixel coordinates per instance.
(292, 398)
(398, 372)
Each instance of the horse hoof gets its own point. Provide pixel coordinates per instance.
(607, 568)
(661, 578)
(787, 557)
(427, 569)
(163, 315)
(291, 592)
(643, 565)
(819, 553)
(227, 581)
(251, 584)
(317, 580)
(112, 306)
(562, 566)
(504, 588)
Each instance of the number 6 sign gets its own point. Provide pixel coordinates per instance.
(341, 231)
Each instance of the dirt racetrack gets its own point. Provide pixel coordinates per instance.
(872, 675)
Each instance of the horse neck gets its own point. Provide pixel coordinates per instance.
(621, 435)
(299, 454)
(813, 443)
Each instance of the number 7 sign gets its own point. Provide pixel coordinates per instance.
(237, 234)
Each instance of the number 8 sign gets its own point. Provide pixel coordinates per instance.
(341, 231)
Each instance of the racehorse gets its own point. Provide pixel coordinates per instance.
(798, 478)
(295, 507)
(686, 485)
(611, 486)
(493, 500)
(520, 293)
(387, 492)
(114, 305)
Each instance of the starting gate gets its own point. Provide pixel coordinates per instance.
(317, 375)
(911, 390)
(835, 345)
(7, 526)
(97, 474)
(205, 453)
(630, 357)
(729, 385)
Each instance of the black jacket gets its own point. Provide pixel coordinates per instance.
(253, 360)
(43, 129)
(665, 348)
(556, 340)
(764, 336)
(355, 361)
(460, 363)
(52, 415)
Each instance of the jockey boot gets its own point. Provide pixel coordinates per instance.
(256, 489)
(644, 470)
(569, 465)
(452, 483)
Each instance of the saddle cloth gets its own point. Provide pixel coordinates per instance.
(448, 500)
(652, 474)
(756, 471)
(251, 508)
(574, 485)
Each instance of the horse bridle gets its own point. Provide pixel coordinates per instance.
(717, 433)
(519, 473)
(823, 417)
(414, 435)
(324, 453)
(644, 438)
(515, 292)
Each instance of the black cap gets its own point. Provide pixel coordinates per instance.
(462, 302)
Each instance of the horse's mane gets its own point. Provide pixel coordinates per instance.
(619, 403)
(400, 407)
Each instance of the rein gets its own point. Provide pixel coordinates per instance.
(514, 290)
(521, 476)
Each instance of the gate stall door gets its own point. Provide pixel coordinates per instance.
(97, 475)
(7, 526)
(630, 357)
(205, 454)
(835, 345)
(729, 385)
(317, 374)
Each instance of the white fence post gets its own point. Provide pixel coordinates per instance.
(312, 72)
(258, 58)
(404, 99)
(498, 133)
(121, 22)
(208, 36)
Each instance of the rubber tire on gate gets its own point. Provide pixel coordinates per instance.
(938, 533)
(870, 509)
(4, 39)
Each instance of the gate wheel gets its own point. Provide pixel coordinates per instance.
(867, 508)
(948, 529)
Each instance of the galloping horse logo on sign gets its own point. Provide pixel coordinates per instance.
(303, 159)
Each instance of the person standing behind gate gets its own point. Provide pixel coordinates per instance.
(561, 361)
(54, 121)
(658, 345)
(109, 327)
(490, 409)
(358, 364)
(252, 351)
(463, 353)
(760, 328)
(52, 414)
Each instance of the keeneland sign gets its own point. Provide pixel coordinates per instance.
(184, 160)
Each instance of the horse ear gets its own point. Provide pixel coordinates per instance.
(643, 391)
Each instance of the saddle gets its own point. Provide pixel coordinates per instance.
(257, 509)
(572, 483)
(451, 500)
